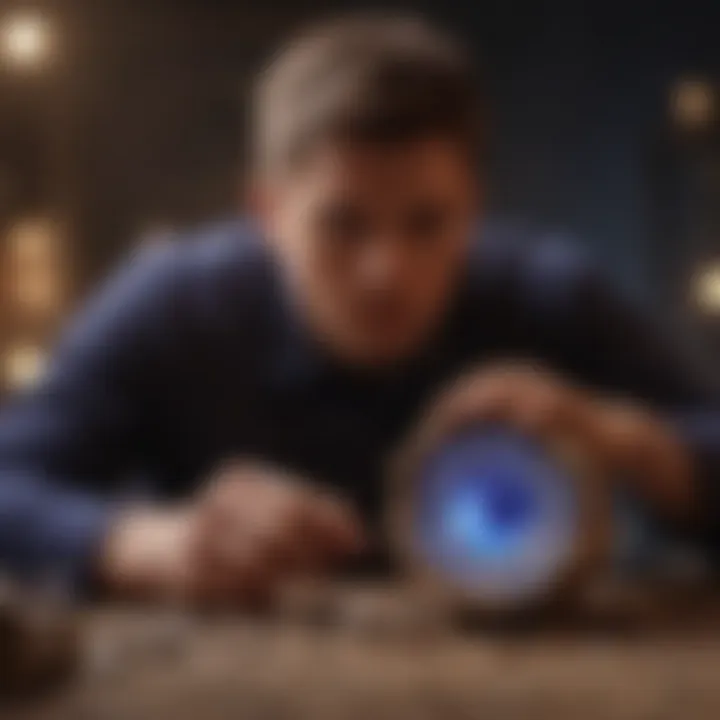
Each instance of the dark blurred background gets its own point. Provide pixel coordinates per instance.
(121, 121)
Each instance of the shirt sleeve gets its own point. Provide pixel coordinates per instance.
(65, 443)
(629, 351)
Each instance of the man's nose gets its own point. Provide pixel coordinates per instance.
(383, 263)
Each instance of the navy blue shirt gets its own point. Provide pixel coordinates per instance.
(193, 354)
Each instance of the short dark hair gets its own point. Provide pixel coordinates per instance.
(370, 77)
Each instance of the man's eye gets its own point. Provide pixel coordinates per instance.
(426, 224)
(345, 224)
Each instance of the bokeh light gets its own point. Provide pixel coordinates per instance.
(706, 289)
(27, 40)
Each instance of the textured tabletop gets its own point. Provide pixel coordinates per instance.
(155, 666)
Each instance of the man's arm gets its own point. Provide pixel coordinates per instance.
(596, 371)
(631, 355)
(94, 418)
(63, 444)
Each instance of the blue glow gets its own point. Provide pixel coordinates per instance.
(495, 513)
(487, 516)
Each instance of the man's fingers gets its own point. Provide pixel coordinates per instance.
(239, 569)
(521, 396)
(247, 546)
(309, 529)
(333, 527)
(526, 399)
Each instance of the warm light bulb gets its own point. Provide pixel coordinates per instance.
(693, 104)
(26, 40)
(34, 268)
(707, 289)
(23, 366)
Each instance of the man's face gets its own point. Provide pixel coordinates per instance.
(372, 238)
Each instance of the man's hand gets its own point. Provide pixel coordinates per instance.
(621, 439)
(249, 531)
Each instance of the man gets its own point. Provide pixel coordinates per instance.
(258, 377)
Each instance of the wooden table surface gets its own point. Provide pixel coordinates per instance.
(156, 666)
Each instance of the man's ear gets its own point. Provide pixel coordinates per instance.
(259, 199)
